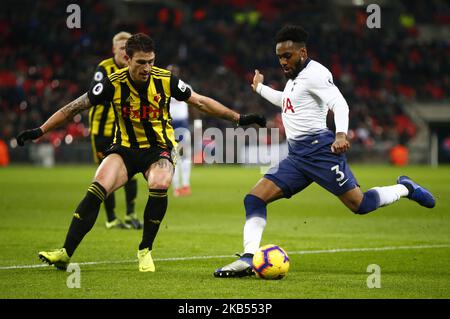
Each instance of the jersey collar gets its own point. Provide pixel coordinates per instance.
(304, 66)
(138, 88)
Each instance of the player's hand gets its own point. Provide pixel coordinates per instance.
(340, 145)
(252, 118)
(28, 135)
(258, 78)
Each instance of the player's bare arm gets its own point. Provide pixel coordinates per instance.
(66, 113)
(57, 119)
(212, 107)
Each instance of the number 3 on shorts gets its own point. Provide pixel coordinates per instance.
(340, 174)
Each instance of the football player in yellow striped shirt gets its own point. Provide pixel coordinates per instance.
(102, 127)
(143, 142)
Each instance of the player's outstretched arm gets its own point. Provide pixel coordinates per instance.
(215, 108)
(58, 118)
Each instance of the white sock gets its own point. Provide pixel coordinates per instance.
(390, 194)
(186, 168)
(253, 229)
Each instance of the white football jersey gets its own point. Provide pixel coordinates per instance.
(307, 99)
(179, 109)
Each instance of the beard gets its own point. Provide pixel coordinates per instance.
(297, 68)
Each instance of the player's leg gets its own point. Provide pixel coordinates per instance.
(264, 192)
(131, 218)
(99, 146)
(332, 172)
(110, 175)
(281, 181)
(363, 203)
(159, 177)
(110, 206)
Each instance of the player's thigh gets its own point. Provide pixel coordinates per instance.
(267, 190)
(352, 198)
(284, 180)
(112, 173)
(281, 181)
(160, 174)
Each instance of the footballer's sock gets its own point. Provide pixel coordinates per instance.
(255, 213)
(186, 168)
(390, 194)
(130, 195)
(153, 215)
(110, 205)
(84, 217)
(381, 196)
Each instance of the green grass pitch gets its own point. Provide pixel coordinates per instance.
(203, 231)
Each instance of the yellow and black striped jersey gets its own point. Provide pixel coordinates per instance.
(101, 116)
(142, 113)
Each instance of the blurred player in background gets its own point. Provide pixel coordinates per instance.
(316, 154)
(143, 142)
(180, 122)
(102, 126)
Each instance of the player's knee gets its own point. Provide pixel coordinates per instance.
(370, 202)
(161, 182)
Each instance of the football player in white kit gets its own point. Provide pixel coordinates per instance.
(180, 123)
(316, 154)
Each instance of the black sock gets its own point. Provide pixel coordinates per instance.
(153, 215)
(84, 217)
(110, 205)
(130, 195)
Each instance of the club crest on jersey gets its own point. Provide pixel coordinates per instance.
(157, 98)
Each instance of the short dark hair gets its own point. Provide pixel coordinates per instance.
(139, 42)
(295, 33)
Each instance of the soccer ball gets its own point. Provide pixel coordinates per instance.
(271, 262)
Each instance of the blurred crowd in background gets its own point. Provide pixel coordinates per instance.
(218, 45)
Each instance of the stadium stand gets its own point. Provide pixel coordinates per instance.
(218, 44)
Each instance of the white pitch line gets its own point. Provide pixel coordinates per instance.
(301, 252)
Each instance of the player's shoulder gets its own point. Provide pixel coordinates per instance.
(106, 63)
(160, 72)
(314, 71)
(118, 76)
(315, 68)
